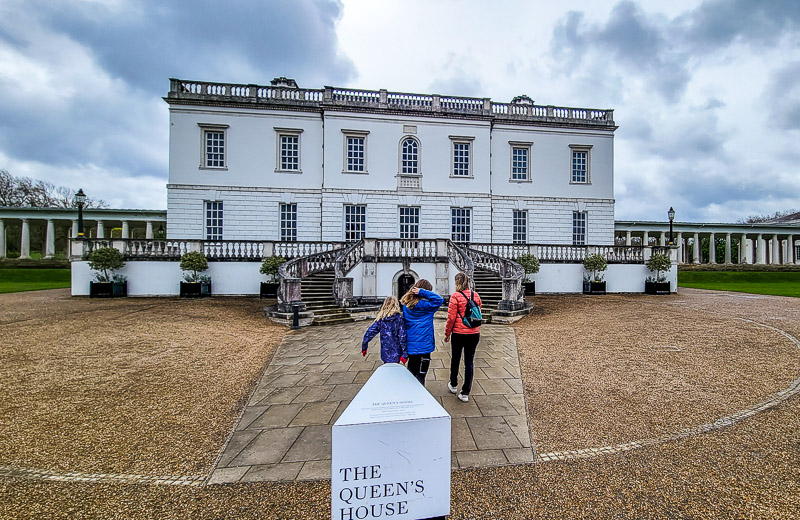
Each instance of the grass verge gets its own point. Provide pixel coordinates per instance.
(19, 280)
(772, 283)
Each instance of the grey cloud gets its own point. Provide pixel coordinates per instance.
(719, 22)
(118, 125)
(782, 96)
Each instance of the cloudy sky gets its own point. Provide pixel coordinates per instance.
(706, 93)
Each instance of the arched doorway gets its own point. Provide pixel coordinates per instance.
(404, 283)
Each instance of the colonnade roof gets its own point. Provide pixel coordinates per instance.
(155, 215)
(705, 227)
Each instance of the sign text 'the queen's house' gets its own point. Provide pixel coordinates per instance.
(391, 451)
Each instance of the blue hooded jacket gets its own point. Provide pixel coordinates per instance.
(419, 323)
(393, 338)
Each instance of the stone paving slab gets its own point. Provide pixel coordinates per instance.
(284, 432)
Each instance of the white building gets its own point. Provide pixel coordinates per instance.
(279, 162)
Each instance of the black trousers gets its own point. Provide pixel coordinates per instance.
(466, 343)
(418, 365)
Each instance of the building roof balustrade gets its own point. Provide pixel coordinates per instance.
(521, 109)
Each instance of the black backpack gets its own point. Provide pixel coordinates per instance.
(472, 316)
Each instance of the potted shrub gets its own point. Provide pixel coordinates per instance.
(269, 268)
(531, 265)
(658, 284)
(593, 282)
(195, 284)
(106, 283)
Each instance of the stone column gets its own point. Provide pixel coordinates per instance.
(646, 239)
(25, 240)
(74, 233)
(727, 248)
(712, 249)
(776, 250)
(50, 240)
(2, 238)
(681, 249)
(792, 250)
(761, 257)
(744, 258)
(125, 230)
(627, 238)
(149, 230)
(663, 238)
(101, 229)
(696, 248)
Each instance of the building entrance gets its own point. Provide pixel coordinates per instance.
(404, 283)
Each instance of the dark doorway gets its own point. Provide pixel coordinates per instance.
(404, 283)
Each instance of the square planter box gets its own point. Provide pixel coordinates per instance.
(530, 288)
(269, 289)
(594, 287)
(657, 288)
(108, 289)
(195, 289)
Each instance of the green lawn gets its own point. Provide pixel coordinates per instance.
(18, 280)
(755, 282)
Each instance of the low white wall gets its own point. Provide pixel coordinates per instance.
(146, 278)
(163, 278)
(620, 278)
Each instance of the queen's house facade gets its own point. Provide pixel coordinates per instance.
(370, 190)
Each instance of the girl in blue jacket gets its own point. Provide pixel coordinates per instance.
(392, 327)
(419, 305)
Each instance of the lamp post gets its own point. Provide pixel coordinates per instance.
(80, 200)
(671, 215)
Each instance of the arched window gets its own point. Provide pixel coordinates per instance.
(409, 156)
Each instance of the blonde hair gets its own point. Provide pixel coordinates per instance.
(410, 299)
(462, 282)
(390, 306)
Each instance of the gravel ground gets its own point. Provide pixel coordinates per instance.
(154, 386)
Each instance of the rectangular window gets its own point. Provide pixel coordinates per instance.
(578, 228)
(214, 220)
(461, 159)
(519, 227)
(355, 222)
(519, 162)
(288, 222)
(215, 148)
(290, 152)
(581, 164)
(409, 223)
(461, 224)
(355, 151)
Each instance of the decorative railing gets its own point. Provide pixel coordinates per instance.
(568, 254)
(458, 256)
(383, 99)
(296, 249)
(233, 250)
(348, 258)
(505, 267)
(409, 182)
(307, 265)
(420, 249)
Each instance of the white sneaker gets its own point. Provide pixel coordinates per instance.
(453, 389)
(463, 397)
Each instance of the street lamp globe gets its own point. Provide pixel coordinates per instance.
(671, 215)
(80, 200)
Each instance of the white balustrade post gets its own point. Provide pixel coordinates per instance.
(727, 248)
(148, 234)
(101, 229)
(696, 248)
(712, 249)
(2, 238)
(50, 240)
(126, 232)
(25, 240)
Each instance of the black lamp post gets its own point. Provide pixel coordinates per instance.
(671, 215)
(80, 200)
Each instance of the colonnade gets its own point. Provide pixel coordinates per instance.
(97, 225)
(740, 248)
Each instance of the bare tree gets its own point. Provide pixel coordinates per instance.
(756, 219)
(27, 192)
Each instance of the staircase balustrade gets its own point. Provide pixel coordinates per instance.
(419, 249)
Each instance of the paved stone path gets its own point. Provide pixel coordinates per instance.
(284, 433)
